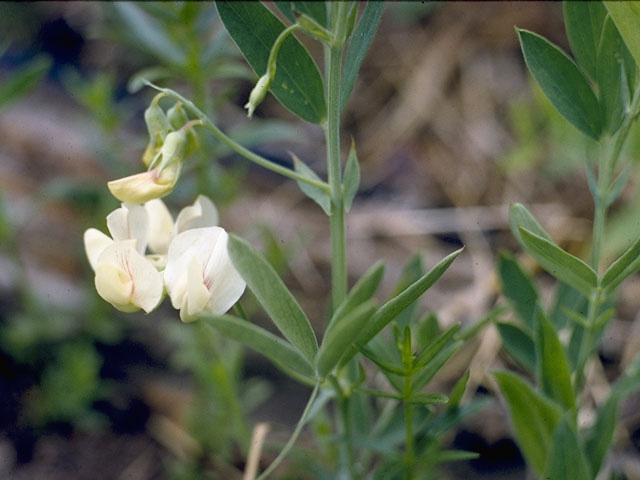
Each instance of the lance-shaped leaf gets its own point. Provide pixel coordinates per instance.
(273, 295)
(351, 179)
(423, 377)
(358, 45)
(560, 264)
(566, 457)
(599, 438)
(272, 347)
(626, 16)
(435, 347)
(318, 195)
(429, 399)
(341, 335)
(562, 82)
(554, 373)
(517, 287)
(622, 268)
(520, 216)
(297, 84)
(583, 23)
(519, 344)
(534, 417)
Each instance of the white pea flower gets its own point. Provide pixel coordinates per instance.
(199, 276)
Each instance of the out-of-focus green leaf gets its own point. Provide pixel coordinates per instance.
(518, 287)
(567, 299)
(598, 439)
(297, 84)
(351, 179)
(566, 458)
(562, 82)
(23, 80)
(554, 374)
(429, 399)
(519, 344)
(583, 23)
(272, 347)
(458, 391)
(520, 216)
(316, 194)
(273, 295)
(626, 16)
(622, 268)
(152, 74)
(560, 264)
(533, 415)
(358, 45)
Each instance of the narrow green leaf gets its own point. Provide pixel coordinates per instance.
(554, 374)
(520, 216)
(316, 10)
(151, 74)
(533, 415)
(429, 399)
(599, 438)
(583, 23)
(622, 268)
(455, 456)
(616, 188)
(411, 272)
(297, 84)
(272, 347)
(342, 334)
(626, 16)
(424, 376)
(518, 287)
(560, 264)
(316, 194)
(458, 391)
(149, 33)
(562, 82)
(23, 80)
(351, 178)
(435, 347)
(519, 344)
(358, 46)
(362, 291)
(273, 295)
(611, 77)
(566, 458)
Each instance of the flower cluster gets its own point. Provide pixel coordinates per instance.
(187, 259)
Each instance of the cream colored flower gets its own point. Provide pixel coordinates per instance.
(199, 276)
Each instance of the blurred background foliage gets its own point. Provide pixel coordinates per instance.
(449, 131)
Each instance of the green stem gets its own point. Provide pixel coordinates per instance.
(294, 436)
(236, 147)
(273, 54)
(408, 426)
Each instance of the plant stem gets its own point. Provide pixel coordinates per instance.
(408, 427)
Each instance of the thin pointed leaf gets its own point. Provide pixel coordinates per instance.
(458, 391)
(342, 334)
(316, 194)
(444, 456)
(425, 375)
(616, 188)
(23, 80)
(562, 82)
(554, 374)
(622, 268)
(272, 347)
(520, 216)
(583, 23)
(566, 458)
(534, 417)
(273, 295)
(411, 272)
(560, 264)
(626, 16)
(358, 45)
(518, 287)
(351, 179)
(297, 84)
(518, 344)
(599, 438)
(435, 347)
(429, 399)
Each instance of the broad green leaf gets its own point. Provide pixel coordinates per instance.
(22, 81)
(626, 16)
(614, 94)
(518, 287)
(599, 438)
(520, 216)
(566, 458)
(435, 347)
(560, 264)
(583, 23)
(519, 344)
(150, 33)
(422, 377)
(351, 179)
(273, 295)
(622, 268)
(554, 374)
(287, 10)
(342, 334)
(272, 347)
(297, 84)
(562, 82)
(358, 45)
(533, 415)
(316, 194)
(362, 291)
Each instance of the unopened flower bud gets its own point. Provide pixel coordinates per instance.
(159, 127)
(258, 93)
(178, 118)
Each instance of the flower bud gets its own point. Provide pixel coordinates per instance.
(159, 127)
(258, 93)
(178, 118)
